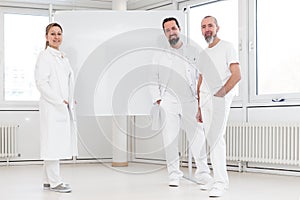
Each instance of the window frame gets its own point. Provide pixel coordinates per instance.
(239, 100)
(262, 99)
(8, 104)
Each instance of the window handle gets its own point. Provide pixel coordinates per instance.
(278, 100)
(251, 46)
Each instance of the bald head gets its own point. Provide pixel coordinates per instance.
(213, 18)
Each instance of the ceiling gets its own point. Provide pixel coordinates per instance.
(101, 4)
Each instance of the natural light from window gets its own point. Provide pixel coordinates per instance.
(24, 37)
(278, 43)
(226, 12)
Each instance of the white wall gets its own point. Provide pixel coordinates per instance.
(94, 135)
(148, 144)
(28, 132)
(274, 114)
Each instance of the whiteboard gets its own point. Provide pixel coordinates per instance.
(110, 52)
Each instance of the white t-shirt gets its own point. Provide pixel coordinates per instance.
(222, 55)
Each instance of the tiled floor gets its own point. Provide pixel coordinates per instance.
(137, 182)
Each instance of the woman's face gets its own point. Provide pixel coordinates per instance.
(54, 37)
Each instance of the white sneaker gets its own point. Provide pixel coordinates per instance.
(203, 178)
(174, 182)
(61, 188)
(46, 186)
(207, 186)
(217, 190)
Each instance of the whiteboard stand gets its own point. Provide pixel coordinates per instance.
(190, 157)
(190, 167)
(119, 140)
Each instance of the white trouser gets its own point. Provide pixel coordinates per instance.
(175, 118)
(52, 173)
(215, 116)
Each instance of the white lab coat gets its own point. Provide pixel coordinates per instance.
(167, 64)
(54, 80)
(174, 81)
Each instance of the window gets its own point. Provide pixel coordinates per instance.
(277, 53)
(24, 39)
(226, 12)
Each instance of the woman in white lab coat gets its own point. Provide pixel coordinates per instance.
(54, 80)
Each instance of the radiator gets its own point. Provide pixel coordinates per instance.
(8, 141)
(264, 143)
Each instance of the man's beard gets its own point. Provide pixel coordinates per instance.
(210, 39)
(173, 41)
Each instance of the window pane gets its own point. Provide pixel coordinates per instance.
(226, 13)
(24, 37)
(278, 53)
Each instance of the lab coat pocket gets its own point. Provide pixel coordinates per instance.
(156, 117)
(61, 113)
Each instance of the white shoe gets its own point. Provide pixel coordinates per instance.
(174, 182)
(46, 186)
(217, 190)
(61, 188)
(207, 186)
(203, 178)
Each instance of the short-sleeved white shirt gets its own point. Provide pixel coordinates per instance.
(222, 55)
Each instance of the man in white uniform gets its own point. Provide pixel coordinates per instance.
(225, 60)
(174, 91)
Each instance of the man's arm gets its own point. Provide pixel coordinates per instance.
(198, 88)
(199, 114)
(232, 81)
